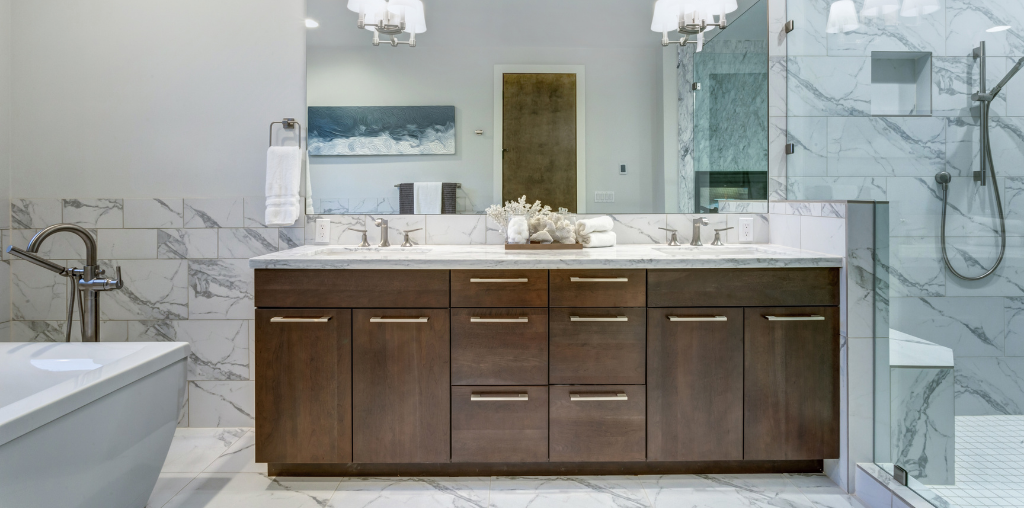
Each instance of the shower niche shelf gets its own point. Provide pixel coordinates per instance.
(901, 83)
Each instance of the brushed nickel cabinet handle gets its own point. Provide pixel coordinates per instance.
(698, 318)
(598, 279)
(795, 318)
(299, 319)
(485, 397)
(499, 320)
(597, 396)
(593, 319)
(500, 280)
(399, 319)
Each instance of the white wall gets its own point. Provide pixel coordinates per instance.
(623, 115)
(121, 98)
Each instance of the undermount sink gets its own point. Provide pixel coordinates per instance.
(711, 250)
(385, 251)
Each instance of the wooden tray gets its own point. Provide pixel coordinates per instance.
(543, 246)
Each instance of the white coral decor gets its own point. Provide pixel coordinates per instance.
(545, 226)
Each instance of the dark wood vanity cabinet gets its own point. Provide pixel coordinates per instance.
(400, 385)
(303, 385)
(695, 384)
(629, 371)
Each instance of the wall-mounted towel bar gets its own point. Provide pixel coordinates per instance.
(287, 123)
(458, 185)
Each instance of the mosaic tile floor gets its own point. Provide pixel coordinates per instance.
(989, 462)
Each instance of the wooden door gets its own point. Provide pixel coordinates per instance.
(499, 423)
(791, 383)
(400, 386)
(539, 139)
(303, 386)
(596, 423)
(695, 384)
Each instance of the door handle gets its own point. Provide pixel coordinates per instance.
(595, 319)
(597, 396)
(598, 279)
(500, 280)
(299, 319)
(795, 318)
(698, 318)
(485, 397)
(423, 319)
(499, 320)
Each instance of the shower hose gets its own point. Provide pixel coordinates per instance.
(944, 179)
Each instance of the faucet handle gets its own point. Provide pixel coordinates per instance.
(408, 241)
(673, 241)
(718, 237)
(117, 283)
(669, 229)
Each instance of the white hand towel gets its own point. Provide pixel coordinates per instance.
(284, 175)
(426, 198)
(598, 239)
(587, 226)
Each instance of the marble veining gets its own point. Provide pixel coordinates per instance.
(222, 403)
(154, 213)
(220, 289)
(823, 86)
(35, 213)
(186, 243)
(684, 74)
(94, 213)
(445, 257)
(923, 423)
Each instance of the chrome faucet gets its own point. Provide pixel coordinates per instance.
(383, 225)
(86, 280)
(697, 223)
(673, 240)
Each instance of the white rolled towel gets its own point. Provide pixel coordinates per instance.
(598, 239)
(587, 226)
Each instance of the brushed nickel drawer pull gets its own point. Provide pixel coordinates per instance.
(299, 319)
(592, 319)
(485, 397)
(500, 280)
(698, 318)
(597, 396)
(523, 319)
(399, 319)
(795, 318)
(598, 279)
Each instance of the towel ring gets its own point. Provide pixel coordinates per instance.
(287, 123)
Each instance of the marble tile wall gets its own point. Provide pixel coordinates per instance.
(845, 153)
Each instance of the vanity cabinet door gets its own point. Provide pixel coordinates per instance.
(695, 384)
(499, 346)
(596, 423)
(303, 386)
(598, 346)
(400, 386)
(499, 423)
(791, 383)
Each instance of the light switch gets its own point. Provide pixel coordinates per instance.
(604, 197)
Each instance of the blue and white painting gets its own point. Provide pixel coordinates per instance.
(381, 130)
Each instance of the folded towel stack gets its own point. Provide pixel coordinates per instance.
(284, 175)
(596, 232)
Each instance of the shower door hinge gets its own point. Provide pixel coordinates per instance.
(790, 26)
(900, 475)
(790, 148)
(695, 87)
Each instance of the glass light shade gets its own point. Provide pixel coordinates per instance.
(666, 16)
(878, 8)
(667, 13)
(367, 7)
(842, 17)
(412, 10)
(914, 8)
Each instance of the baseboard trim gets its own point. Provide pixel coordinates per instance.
(548, 468)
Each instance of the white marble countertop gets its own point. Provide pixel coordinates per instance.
(452, 257)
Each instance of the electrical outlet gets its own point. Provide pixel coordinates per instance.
(746, 232)
(604, 197)
(323, 231)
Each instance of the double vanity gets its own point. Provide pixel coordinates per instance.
(467, 360)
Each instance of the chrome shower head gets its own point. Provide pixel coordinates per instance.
(36, 260)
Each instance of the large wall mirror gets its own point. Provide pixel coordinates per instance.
(572, 102)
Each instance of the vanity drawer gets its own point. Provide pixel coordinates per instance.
(499, 288)
(743, 287)
(598, 288)
(598, 346)
(500, 346)
(499, 423)
(597, 423)
(352, 289)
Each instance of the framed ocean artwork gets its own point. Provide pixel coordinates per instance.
(381, 130)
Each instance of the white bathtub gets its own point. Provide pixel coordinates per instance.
(86, 424)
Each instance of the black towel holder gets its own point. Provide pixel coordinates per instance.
(287, 123)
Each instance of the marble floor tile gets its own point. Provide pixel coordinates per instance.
(691, 491)
(240, 458)
(167, 485)
(253, 490)
(221, 403)
(411, 493)
(192, 450)
(589, 491)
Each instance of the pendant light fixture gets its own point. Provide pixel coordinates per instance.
(691, 18)
(390, 18)
(842, 17)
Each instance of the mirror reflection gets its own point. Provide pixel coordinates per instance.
(575, 103)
